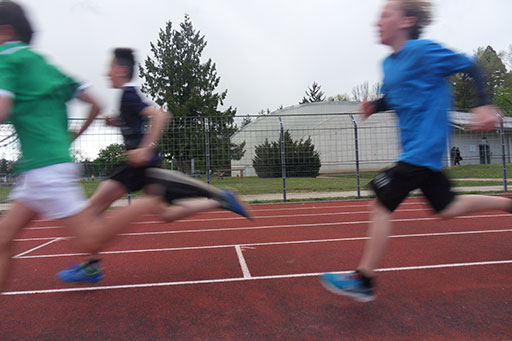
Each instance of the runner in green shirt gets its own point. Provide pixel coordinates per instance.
(42, 128)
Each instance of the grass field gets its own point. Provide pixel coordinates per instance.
(464, 176)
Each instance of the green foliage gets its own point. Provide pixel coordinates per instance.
(106, 160)
(301, 159)
(267, 159)
(339, 98)
(493, 68)
(498, 82)
(314, 94)
(464, 91)
(181, 83)
(6, 166)
(503, 99)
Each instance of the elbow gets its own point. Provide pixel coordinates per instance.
(167, 117)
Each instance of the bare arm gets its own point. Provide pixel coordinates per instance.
(114, 121)
(158, 120)
(94, 111)
(485, 118)
(5, 108)
(485, 115)
(368, 108)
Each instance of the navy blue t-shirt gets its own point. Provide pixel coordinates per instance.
(133, 123)
(416, 87)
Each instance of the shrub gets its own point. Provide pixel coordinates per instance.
(301, 159)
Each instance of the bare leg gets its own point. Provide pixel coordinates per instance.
(379, 231)
(380, 227)
(10, 224)
(94, 231)
(464, 204)
(187, 208)
(107, 192)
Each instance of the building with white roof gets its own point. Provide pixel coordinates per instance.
(332, 127)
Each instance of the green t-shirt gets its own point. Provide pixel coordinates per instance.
(40, 92)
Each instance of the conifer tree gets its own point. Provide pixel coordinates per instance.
(177, 79)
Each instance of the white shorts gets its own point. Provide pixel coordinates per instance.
(52, 191)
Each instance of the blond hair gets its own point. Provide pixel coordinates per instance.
(419, 9)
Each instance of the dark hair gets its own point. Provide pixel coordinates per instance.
(422, 11)
(12, 14)
(124, 57)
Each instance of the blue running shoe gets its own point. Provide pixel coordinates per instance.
(351, 284)
(87, 272)
(230, 202)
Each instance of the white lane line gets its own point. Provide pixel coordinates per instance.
(36, 248)
(269, 227)
(278, 226)
(246, 245)
(242, 279)
(307, 206)
(37, 239)
(239, 218)
(243, 264)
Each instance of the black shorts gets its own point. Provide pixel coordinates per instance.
(133, 178)
(392, 186)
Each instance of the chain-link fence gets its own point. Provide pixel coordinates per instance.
(273, 146)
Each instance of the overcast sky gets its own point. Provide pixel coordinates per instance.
(267, 52)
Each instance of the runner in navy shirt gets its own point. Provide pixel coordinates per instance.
(138, 171)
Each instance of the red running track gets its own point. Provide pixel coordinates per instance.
(217, 276)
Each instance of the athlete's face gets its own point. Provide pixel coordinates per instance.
(392, 24)
(6, 33)
(117, 75)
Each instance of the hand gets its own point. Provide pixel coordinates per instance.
(74, 135)
(140, 156)
(367, 109)
(485, 118)
(112, 121)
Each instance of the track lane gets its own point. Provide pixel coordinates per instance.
(472, 302)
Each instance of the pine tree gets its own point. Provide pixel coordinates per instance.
(177, 80)
(314, 94)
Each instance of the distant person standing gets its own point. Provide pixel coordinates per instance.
(453, 153)
(458, 157)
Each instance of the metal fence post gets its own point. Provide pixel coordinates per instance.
(356, 145)
(283, 160)
(207, 146)
(503, 159)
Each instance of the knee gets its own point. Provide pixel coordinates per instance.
(87, 244)
(6, 237)
(5, 242)
(444, 214)
(452, 210)
(88, 241)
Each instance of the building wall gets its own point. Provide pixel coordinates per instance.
(333, 136)
(332, 132)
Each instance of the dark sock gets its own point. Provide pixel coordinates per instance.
(92, 265)
(367, 281)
